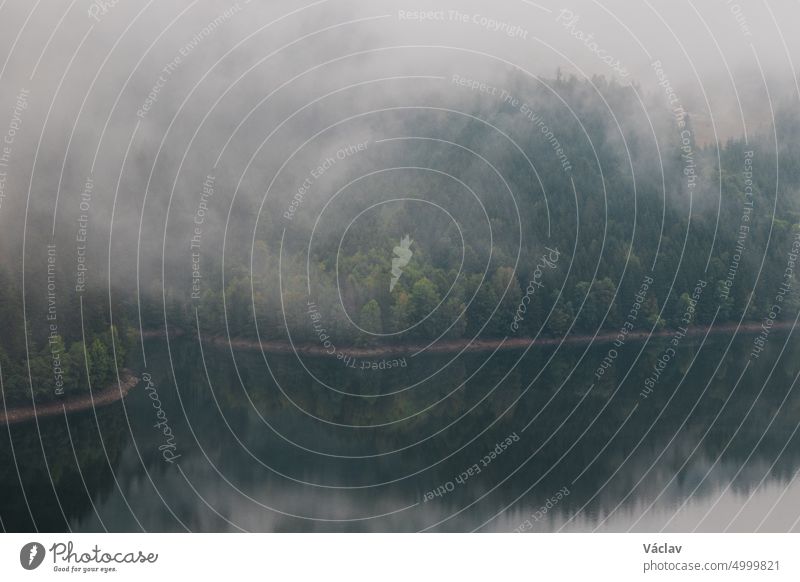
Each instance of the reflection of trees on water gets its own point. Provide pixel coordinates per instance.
(613, 470)
(550, 435)
(59, 479)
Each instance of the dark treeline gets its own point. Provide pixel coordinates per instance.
(52, 362)
(646, 205)
(490, 199)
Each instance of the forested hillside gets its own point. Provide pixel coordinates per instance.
(565, 217)
(642, 207)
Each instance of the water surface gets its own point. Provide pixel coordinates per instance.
(513, 441)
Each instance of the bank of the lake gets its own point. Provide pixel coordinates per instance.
(481, 345)
(67, 405)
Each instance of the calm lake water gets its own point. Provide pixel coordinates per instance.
(514, 441)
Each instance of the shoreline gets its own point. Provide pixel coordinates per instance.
(479, 345)
(76, 404)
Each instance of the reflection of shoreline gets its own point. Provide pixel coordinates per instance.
(480, 345)
(157, 333)
(80, 403)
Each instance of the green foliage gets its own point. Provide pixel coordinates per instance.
(620, 228)
(371, 319)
